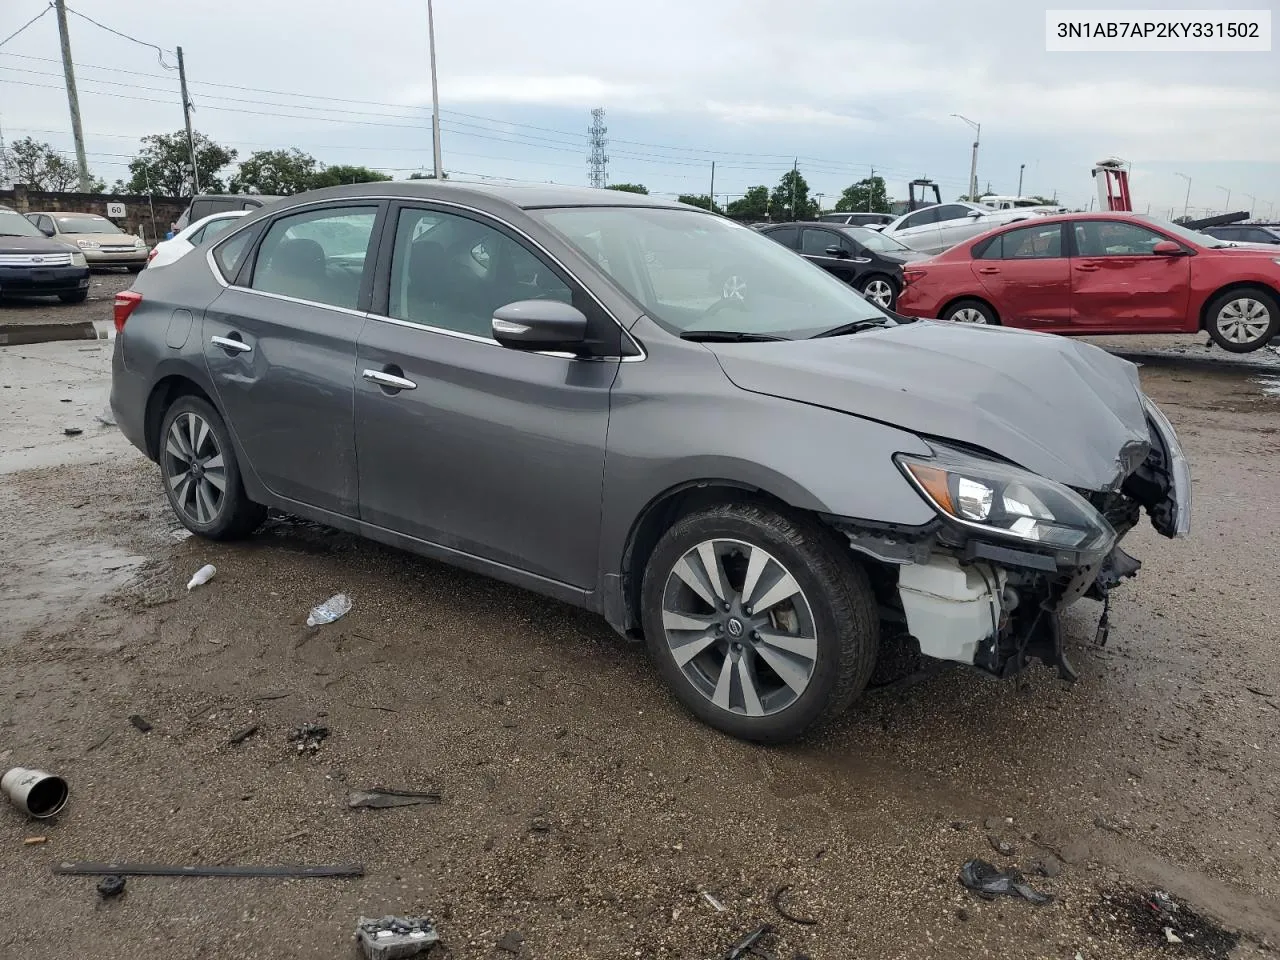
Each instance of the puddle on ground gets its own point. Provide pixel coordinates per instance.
(1270, 385)
(59, 583)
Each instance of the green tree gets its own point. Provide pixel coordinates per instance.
(630, 188)
(423, 175)
(700, 200)
(165, 163)
(868, 194)
(754, 204)
(345, 173)
(276, 172)
(790, 199)
(37, 165)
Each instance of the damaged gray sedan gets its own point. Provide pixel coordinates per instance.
(651, 412)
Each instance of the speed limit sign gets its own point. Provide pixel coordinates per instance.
(116, 211)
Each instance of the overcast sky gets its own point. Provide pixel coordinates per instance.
(845, 86)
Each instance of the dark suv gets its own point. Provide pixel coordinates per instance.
(32, 265)
(1245, 233)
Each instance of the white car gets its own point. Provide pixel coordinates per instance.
(940, 227)
(187, 239)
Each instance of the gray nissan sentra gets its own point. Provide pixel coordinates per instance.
(646, 410)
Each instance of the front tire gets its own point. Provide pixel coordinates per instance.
(1244, 319)
(201, 473)
(971, 311)
(761, 623)
(880, 289)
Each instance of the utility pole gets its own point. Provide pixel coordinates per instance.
(870, 188)
(973, 164)
(1186, 204)
(795, 175)
(435, 93)
(1227, 208)
(186, 117)
(712, 195)
(1021, 167)
(73, 99)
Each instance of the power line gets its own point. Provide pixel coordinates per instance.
(25, 25)
(102, 26)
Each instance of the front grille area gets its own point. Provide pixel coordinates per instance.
(118, 248)
(35, 259)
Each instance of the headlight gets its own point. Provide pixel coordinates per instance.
(140, 243)
(1007, 501)
(87, 244)
(78, 260)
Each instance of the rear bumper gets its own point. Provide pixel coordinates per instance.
(42, 281)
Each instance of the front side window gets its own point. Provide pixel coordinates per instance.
(317, 256)
(814, 243)
(14, 224)
(1114, 238)
(452, 272)
(86, 225)
(708, 273)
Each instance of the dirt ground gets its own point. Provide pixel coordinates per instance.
(579, 805)
(103, 286)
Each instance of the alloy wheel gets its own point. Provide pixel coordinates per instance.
(1243, 320)
(195, 468)
(739, 627)
(968, 315)
(879, 292)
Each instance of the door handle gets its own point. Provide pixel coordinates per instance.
(227, 343)
(389, 380)
(1087, 267)
(988, 269)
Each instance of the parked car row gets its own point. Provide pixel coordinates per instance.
(867, 260)
(33, 265)
(771, 481)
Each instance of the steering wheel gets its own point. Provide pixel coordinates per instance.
(732, 294)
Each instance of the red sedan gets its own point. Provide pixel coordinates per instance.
(1087, 274)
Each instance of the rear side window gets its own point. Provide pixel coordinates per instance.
(921, 218)
(787, 236)
(229, 255)
(317, 256)
(1041, 242)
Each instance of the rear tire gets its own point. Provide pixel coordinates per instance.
(767, 674)
(1244, 319)
(80, 296)
(880, 289)
(971, 311)
(201, 473)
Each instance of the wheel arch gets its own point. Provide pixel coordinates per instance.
(953, 301)
(1228, 288)
(164, 394)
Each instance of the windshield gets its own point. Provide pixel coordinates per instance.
(14, 224)
(877, 241)
(1183, 233)
(694, 271)
(86, 225)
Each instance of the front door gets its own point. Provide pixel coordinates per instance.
(1027, 275)
(281, 350)
(1119, 285)
(919, 231)
(816, 245)
(492, 452)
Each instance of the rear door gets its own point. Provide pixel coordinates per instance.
(491, 452)
(280, 344)
(1027, 276)
(1119, 285)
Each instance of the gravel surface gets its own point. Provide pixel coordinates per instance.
(580, 808)
(103, 287)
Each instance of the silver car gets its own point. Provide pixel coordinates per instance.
(774, 484)
(942, 226)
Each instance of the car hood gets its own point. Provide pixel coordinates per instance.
(32, 245)
(1063, 409)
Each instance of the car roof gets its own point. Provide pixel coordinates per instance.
(523, 197)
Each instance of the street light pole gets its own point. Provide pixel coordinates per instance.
(1253, 202)
(1186, 204)
(435, 93)
(1021, 167)
(973, 164)
(1227, 208)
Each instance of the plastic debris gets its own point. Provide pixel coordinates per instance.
(106, 417)
(111, 886)
(73, 431)
(141, 723)
(378, 798)
(339, 605)
(35, 841)
(202, 576)
(1170, 936)
(719, 907)
(308, 736)
(988, 882)
(34, 792)
(167, 870)
(747, 945)
(784, 912)
(388, 938)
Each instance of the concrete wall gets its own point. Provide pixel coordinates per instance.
(138, 209)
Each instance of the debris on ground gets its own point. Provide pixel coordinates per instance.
(388, 938)
(141, 722)
(747, 945)
(379, 798)
(988, 882)
(719, 907)
(73, 431)
(539, 825)
(111, 886)
(308, 736)
(243, 735)
(1002, 847)
(37, 794)
(202, 576)
(106, 417)
(166, 870)
(1156, 919)
(512, 942)
(784, 912)
(1048, 866)
(339, 605)
(35, 841)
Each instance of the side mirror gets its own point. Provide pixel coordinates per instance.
(540, 325)
(1167, 248)
(47, 231)
(834, 251)
(975, 214)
